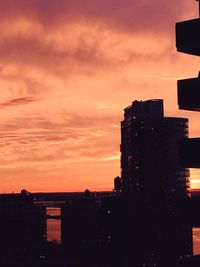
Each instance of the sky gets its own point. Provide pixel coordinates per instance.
(68, 68)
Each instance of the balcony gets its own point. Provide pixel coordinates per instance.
(189, 153)
(189, 94)
(188, 36)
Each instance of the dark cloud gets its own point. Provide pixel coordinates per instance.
(127, 14)
(24, 49)
(19, 101)
(35, 52)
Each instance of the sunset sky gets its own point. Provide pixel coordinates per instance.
(68, 68)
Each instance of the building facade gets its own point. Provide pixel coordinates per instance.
(22, 228)
(150, 161)
(153, 176)
(188, 41)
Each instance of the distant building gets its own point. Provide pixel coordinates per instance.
(80, 229)
(22, 227)
(117, 184)
(152, 176)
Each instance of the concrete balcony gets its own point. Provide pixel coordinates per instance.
(188, 36)
(189, 211)
(189, 153)
(189, 94)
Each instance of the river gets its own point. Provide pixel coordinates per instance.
(53, 226)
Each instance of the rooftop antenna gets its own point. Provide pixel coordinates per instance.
(199, 7)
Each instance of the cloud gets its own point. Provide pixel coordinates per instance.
(19, 101)
(67, 138)
(69, 36)
(43, 52)
(127, 14)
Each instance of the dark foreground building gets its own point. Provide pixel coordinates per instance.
(188, 41)
(155, 184)
(22, 229)
(80, 230)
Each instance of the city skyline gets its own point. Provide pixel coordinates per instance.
(67, 72)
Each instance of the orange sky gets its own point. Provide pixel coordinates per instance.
(67, 71)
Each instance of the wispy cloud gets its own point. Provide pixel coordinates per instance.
(111, 158)
(19, 101)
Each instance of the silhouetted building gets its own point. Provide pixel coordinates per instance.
(150, 160)
(118, 184)
(188, 41)
(189, 153)
(155, 182)
(187, 36)
(22, 227)
(189, 94)
(112, 218)
(80, 230)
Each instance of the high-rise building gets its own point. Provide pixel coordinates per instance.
(152, 174)
(150, 160)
